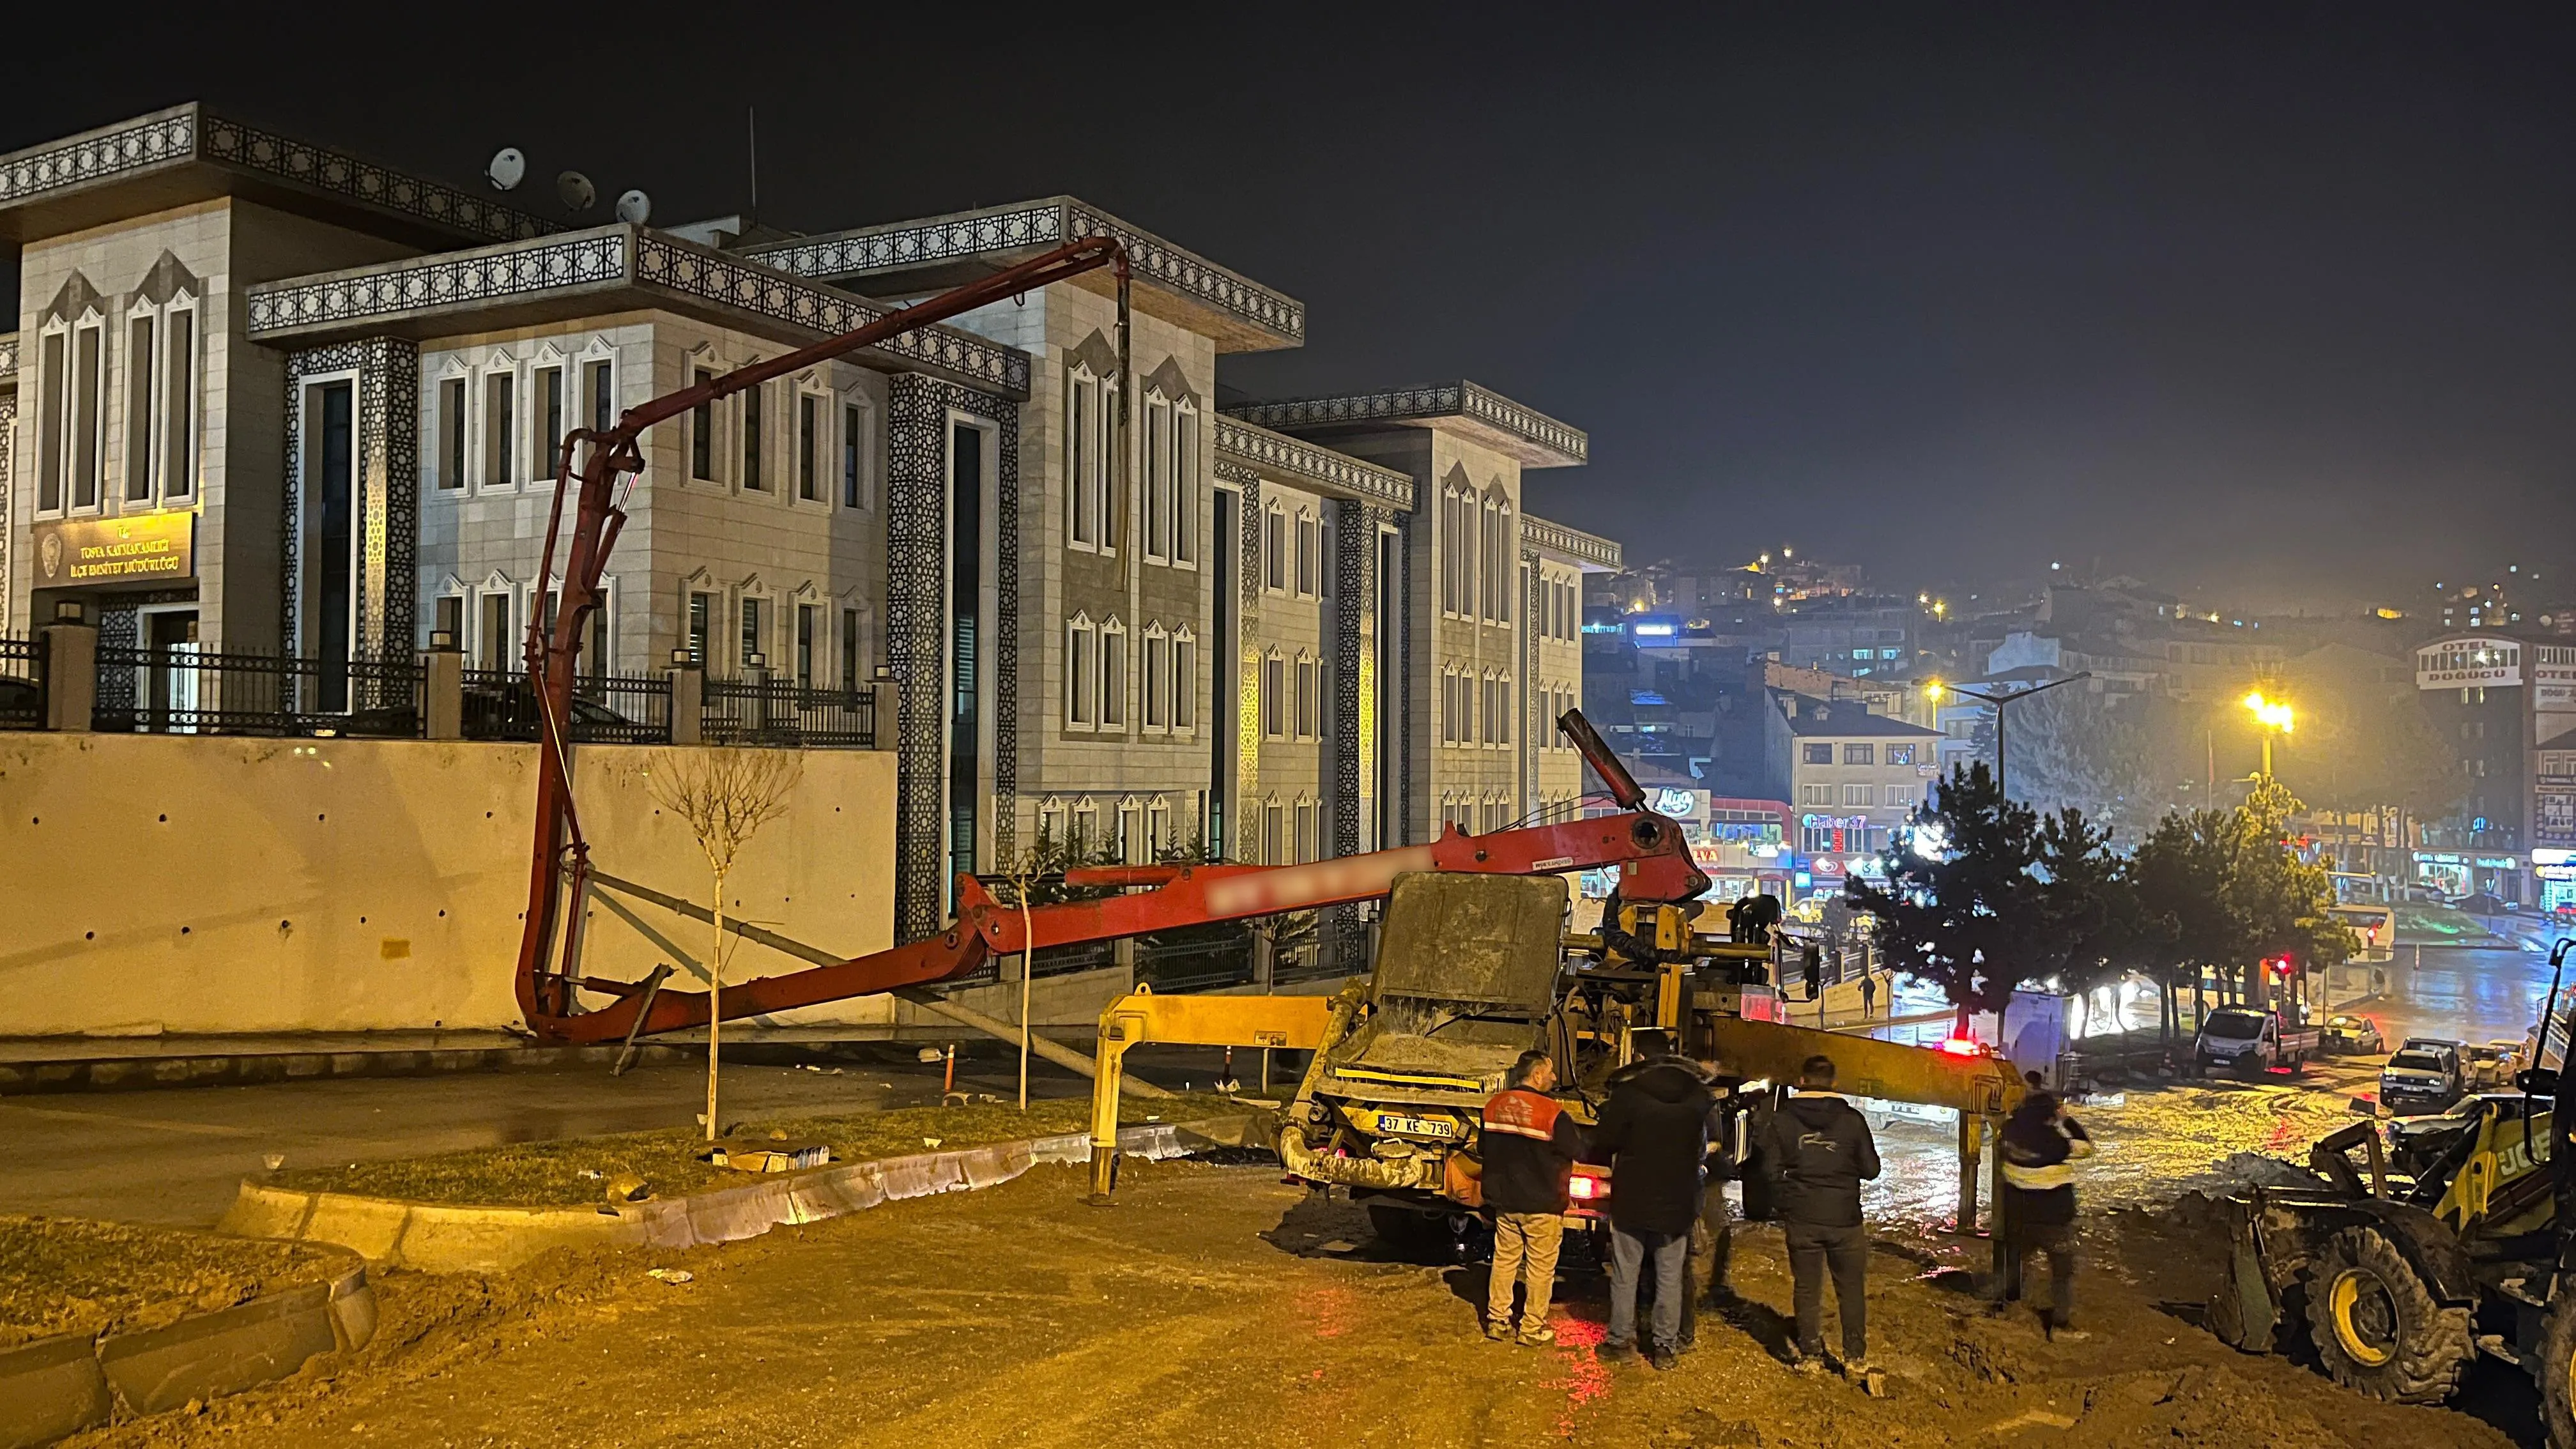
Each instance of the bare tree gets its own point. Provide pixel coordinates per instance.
(725, 796)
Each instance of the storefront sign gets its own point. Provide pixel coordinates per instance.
(145, 548)
(2553, 818)
(2456, 663)
(1669, 801)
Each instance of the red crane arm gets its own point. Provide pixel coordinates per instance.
(1654, 861)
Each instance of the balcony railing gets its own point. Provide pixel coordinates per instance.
(181, 689)
(22, 684)
(782, 715)
(607, 709)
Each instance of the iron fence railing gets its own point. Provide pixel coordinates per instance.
(780, 714)
(22, 684)
(181, 689)
(616, 709)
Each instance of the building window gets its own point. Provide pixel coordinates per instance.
(1185, 681)
(809, 623)
(1859, 795)
(1274, 696)
(851, 434)
(1155, 682)
(1274, 844)
(1859, 754)
(53, 419)
(1185, 490)
(1307, 845)
(1158, 477)
(88, 435)
(702, 433)
(809, 448)
(179, 403)
(500, 396)
(702, 613)
(1815, 794)
(754, 617)
(451, 433)
(1113, 675)
(1086, 829)
(599, 394)
(139, 352)
(1900, 754)
(1158, 829)
(447, 616)
(852, 675)
(1274, 549)
(1131, 833)
(549, 405)
(1899, 797)
(493, 645)
(751, 425)
(1310, 699)
(1818, 754)
(1081, 673)
(1310, 555)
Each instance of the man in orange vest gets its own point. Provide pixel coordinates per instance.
(1529, 1146)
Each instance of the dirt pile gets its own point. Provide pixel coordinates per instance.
(76, 1276)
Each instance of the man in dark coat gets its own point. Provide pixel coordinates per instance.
(1820, 1152)
(1529, 1145)
(1654, 1133)
(2040, 1144)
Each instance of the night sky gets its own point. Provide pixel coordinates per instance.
(2275, 302)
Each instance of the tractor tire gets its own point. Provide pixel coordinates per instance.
(2377, 1327)
(2558, 1373)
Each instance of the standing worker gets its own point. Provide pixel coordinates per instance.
(1529, 1146)
(1820, 1153)
(1711, 1244)
(1868, 996)
(2039, 1145)
(1654, 1131)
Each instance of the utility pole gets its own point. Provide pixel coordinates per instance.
(1999, 701)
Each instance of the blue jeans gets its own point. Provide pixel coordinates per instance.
(1628, 1252)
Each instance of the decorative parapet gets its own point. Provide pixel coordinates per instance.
(1273, 317)
(1305, 463)
(1541, 440)
(189, 133)
(576, 264)
(1540, 535)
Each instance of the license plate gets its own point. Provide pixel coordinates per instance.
(1417, 1126)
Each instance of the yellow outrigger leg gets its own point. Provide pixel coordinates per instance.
(1246, 1021)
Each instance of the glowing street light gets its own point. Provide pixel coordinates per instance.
(2275, 717)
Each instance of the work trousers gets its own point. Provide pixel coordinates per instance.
(1628, 1253)
(2022, 1241)
(1845, 1251)
(1525, 1248)
(1710, 1248)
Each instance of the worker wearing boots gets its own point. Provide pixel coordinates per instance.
(1820, 1153)
(1654, 1133)
(2039, 1144)
(1529, 1147)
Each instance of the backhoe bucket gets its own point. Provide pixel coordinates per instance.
(2243, 1313)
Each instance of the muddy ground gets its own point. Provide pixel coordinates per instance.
(63, 1276)
(1215, 1305)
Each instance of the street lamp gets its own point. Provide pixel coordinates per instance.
(1936, 689)
(2275, 718)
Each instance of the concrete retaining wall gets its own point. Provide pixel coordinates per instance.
(59, 1386)
(438, 1238)
(172, 883)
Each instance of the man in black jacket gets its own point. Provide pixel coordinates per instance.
(1653, 1132)
(2039, 1144)
(1819, 1154)
(1529, 1145)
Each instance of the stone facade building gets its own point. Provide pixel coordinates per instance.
(283, 399)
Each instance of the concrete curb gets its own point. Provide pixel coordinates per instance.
(59, 1386)
(230, 1069)
(439, 1238)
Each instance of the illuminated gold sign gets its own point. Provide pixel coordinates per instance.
(147, 547)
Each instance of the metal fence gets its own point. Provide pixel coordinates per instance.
(22, 684)
(618, 709)
(184, 690)
(777, 713)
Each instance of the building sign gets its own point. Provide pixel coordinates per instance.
(83, 552)
(2553, 818)
(1669, 801)
(2553, 678)
(2458, 663)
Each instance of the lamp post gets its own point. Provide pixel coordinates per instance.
(1937, 689)
(2275, 717)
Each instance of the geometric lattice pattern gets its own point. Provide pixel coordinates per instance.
(1566, 442)
(916, 611)
(385, 417)
(1310, 464)
(8, 433)
(1570, 543)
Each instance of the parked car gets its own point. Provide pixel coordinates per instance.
(2352, 1036)
(2484, 1067)
(510, 713)
(2480, 904)
(2245, 1039)
(2423, 1075)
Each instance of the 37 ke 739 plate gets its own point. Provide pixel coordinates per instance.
(1417, 1126)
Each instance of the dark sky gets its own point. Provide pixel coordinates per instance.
(2270, 300)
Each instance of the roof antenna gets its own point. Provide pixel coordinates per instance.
(751, 131)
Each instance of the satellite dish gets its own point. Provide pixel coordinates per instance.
(634, 208)
(507, 168)
(575, 191)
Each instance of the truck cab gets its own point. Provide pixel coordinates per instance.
(2247, 1038)
(2424, 1075)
